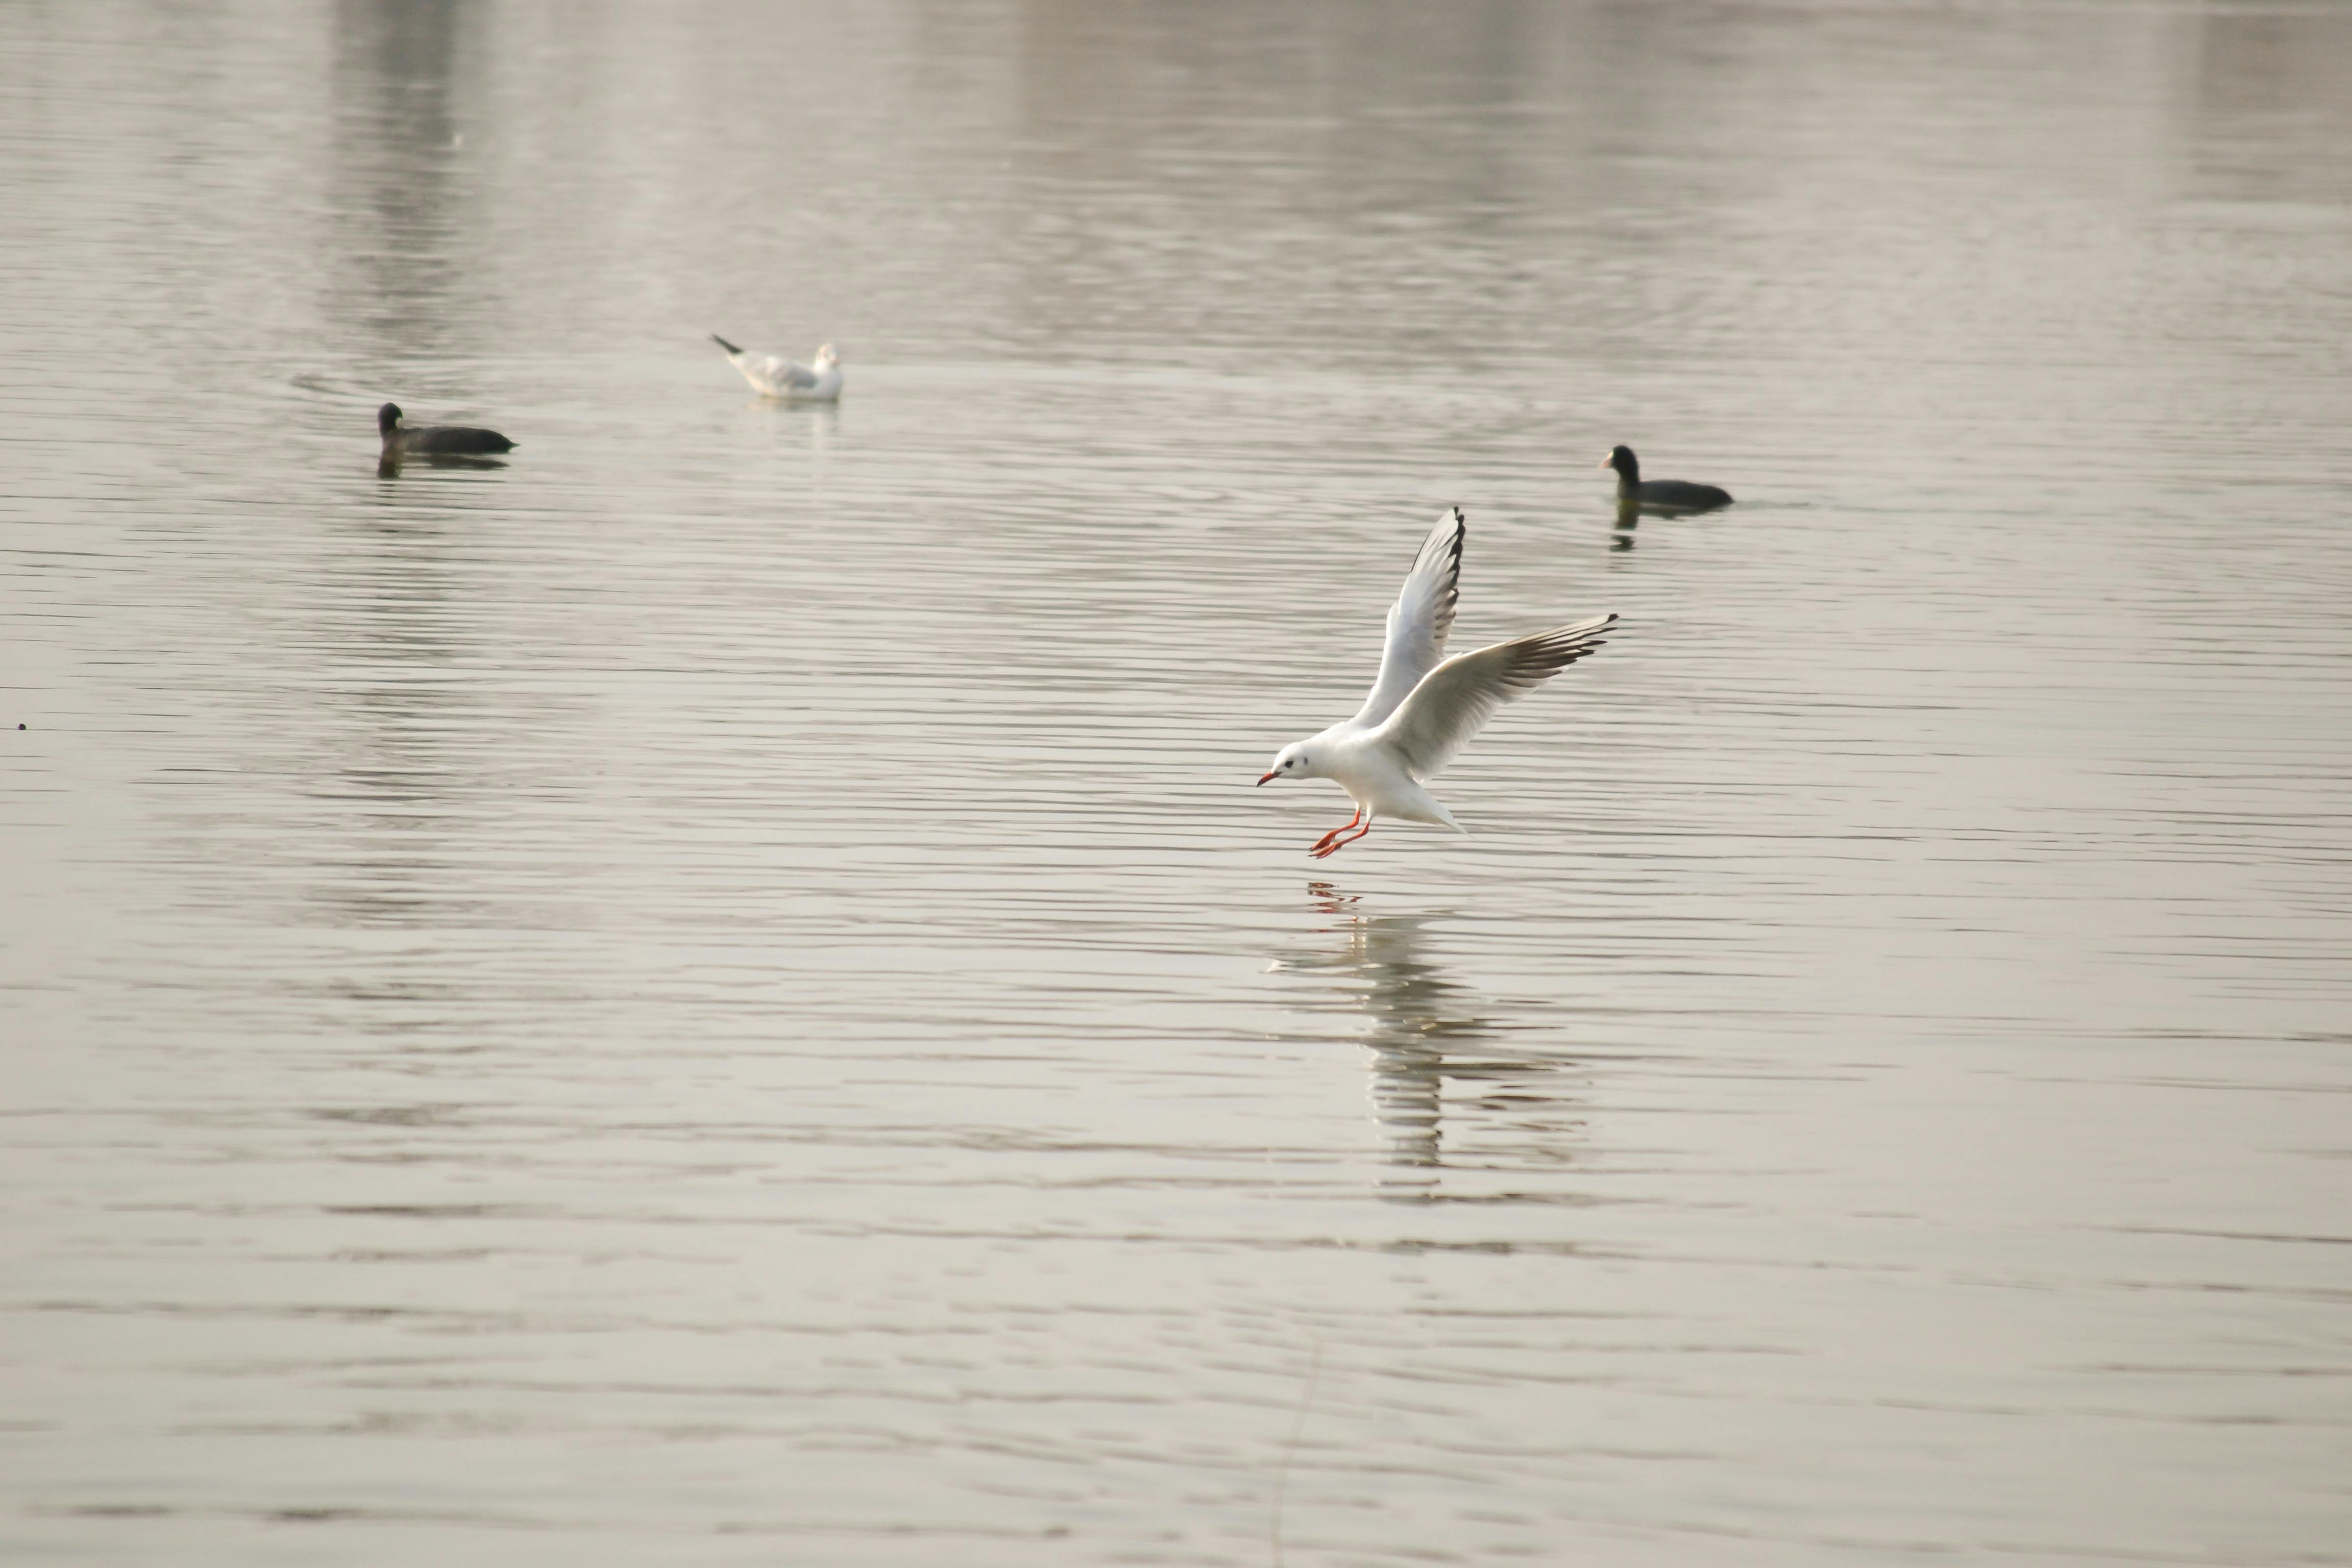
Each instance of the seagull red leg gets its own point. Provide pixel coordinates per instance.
(1335, 833)
(1325, 841)
(1338, 844)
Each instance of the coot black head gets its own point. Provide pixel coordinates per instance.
(387, 418)
(1622, 458)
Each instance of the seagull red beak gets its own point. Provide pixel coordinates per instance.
(1276, 775)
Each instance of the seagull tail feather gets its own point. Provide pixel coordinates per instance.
(723, 344)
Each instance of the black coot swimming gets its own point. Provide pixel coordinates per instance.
(1671, 495)
(434, 440)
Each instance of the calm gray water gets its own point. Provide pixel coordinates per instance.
(721, 994)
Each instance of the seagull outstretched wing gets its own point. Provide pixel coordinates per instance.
(1418, 620)
(1454, 702)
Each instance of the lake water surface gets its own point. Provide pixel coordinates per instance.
(721, 993)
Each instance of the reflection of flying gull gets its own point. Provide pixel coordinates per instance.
(1417, 1019)
(1423, 712)
(1425, 1032)
(773, 376)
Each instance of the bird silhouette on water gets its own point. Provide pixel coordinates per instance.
(403, 440)
(1661, 495)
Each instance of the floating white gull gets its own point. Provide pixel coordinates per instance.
(773, 376)
(1424, 706)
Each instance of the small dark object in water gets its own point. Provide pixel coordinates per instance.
(1671, 495)
(433, 440)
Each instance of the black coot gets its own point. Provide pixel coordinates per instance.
(1672, 495)
(434, 440)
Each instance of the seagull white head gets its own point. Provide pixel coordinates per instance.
(1293, 763)
(827, 357)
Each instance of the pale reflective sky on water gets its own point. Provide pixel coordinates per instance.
(720, 993)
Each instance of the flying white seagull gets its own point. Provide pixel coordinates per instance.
(773, 376)
(1425, 707)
